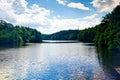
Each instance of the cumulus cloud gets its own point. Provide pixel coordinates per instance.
(35, 16)
(105, 5)
(19, 6)
(63, 2)
(78, 6)
(6, 11)
(18, 13)
(57, 24)
(91, 16)
(73, 5)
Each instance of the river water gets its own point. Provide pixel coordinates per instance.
(53, 61)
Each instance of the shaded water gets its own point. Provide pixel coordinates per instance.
(55, 61)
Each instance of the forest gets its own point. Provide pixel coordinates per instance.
(106, 34)
(62, 35)
(17, 35)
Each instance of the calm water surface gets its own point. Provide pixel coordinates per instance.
(52, 61)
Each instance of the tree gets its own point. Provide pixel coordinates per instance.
(17, 35)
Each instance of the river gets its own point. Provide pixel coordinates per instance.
(53, 61)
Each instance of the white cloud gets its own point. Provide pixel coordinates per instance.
(78, 6)
(35, 16)
(105, 5)
(73, 5)
(19, 6)
(65, 24)
(6, 11)
(17, 12)
(91, 16)
(63, 2)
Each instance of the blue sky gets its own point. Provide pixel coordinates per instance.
(49, 16)
(63, 11)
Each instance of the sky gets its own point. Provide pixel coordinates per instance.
(49, 16)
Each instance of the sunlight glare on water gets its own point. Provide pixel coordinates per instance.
(56, 61)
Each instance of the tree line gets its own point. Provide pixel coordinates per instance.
(62, 35)
(17, 35)
(106, 34)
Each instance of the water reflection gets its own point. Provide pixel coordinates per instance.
(110, 61)
(61, 61)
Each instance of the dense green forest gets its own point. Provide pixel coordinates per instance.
(62, 35)
(17, 35)
(87, 35)
(106, 34)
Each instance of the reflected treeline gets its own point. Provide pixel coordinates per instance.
(109, 60)
(5, 46)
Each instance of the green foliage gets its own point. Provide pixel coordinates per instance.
(106, 34)
(62, 35)
(17, 35)
(86, 35)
